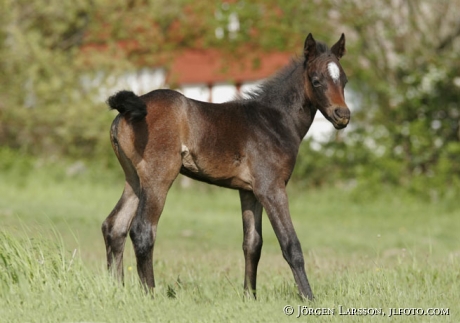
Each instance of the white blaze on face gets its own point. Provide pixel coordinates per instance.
(334, 71)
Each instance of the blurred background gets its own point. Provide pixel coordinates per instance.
(60, 60)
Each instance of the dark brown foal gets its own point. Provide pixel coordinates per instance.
(248, 144)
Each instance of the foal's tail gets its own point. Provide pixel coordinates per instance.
(128, 104)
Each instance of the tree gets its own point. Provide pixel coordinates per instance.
(41, 103)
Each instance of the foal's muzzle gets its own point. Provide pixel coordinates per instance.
(340, 117)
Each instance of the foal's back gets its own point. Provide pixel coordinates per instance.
(209, 142)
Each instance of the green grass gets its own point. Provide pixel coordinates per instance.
(382, 251)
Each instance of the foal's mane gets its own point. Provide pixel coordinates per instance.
(288, 80)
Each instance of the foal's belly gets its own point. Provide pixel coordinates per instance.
(227, 170)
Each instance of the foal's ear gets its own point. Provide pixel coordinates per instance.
(339, 48)
(309, 49)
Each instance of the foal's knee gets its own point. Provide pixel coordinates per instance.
(292, 253)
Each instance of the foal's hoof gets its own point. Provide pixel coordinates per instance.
(250, 296)
(309, 297)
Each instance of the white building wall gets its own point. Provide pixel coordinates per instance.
(223, 92)
(200, 92)
(140, 82)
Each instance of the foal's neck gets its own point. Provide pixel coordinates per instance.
(285, 93)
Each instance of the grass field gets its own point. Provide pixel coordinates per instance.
(362, 251)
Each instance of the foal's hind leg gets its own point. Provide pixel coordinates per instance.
(154, 188)
(115, 229)
(252, 241)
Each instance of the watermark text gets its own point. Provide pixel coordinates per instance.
(303, 310)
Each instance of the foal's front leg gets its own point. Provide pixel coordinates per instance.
(252, 241)
(274, 199)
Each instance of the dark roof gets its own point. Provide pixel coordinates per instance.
(211, 66)
(201, 65)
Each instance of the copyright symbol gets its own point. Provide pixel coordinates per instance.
(288, 310)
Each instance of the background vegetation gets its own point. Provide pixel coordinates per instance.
(403, 64)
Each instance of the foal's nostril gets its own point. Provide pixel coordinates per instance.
(342, 113)
(337, 112)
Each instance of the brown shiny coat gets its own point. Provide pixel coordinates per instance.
(248, 144)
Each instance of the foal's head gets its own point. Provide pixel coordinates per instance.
(325, 80)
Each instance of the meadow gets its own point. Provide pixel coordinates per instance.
(365, 252)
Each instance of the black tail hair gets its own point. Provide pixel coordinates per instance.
(128, 104)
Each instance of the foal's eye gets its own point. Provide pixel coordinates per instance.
(315, 82)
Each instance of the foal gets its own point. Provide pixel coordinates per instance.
(248, 144)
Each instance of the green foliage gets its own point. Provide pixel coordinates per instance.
(44, 108)
(14, 164)
(404, 131)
